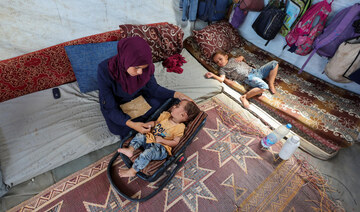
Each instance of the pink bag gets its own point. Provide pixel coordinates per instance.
(311, 24)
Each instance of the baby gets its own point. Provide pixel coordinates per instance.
(166, 133)
(236, 69)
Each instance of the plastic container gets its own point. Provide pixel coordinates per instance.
(289, 147)
(275, 136)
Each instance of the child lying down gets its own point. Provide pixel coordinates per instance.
(166, 134)
(238, 70)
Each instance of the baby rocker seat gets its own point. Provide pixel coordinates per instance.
(155, 169)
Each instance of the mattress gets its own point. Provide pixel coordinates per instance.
(324, 116)
(39, 133)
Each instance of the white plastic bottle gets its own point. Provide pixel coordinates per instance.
(275, 136)
(289, 147)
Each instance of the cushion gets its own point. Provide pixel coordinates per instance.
(218, 36)
(85, 59)
(164, 39)
(45, 68)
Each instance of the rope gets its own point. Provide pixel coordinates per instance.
(315, 179)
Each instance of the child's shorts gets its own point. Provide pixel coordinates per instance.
(256, 76)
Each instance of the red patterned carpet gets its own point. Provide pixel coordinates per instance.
(225, 171)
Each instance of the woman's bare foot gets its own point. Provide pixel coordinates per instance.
(244, 101)
(127, 172)
(272, 88)
(127, 151)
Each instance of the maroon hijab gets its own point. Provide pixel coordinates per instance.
(133, 51)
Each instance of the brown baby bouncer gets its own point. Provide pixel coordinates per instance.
(155, 169)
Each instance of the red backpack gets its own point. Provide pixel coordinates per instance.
(311, 24)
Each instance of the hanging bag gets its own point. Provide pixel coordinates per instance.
(302, 36)
(270, 20)
(295, 9)
(251, 5)
(345, 61)
(342, 27)
(212, 10)
(237, 16)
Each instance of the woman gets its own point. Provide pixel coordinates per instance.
(125, 77)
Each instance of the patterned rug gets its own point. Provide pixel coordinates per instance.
(323, 114)
(226, 170)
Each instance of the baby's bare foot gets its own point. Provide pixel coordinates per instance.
(244, 101)
(126, 151)
(127, 172)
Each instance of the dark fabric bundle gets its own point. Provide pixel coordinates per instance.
(174, 63)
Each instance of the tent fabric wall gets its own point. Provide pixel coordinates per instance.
(316, 64)
(30, 25)
(27, 26)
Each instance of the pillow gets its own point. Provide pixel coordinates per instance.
(164, 39)
(85, 59)
(218, 36)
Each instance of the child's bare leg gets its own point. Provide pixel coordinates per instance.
(253, 92)
(127, 151)
(271, 78)
(127, 172)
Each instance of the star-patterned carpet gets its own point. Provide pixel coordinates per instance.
(226, 170)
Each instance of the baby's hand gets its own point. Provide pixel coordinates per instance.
(239, 59)
(209, 75)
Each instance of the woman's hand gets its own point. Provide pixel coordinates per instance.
(209, 75)
(149, 124)
(142, 127)
(182, 96)
(139, 126)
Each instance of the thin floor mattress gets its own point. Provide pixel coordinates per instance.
(39, 133)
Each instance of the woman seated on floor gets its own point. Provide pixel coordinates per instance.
(125, 77)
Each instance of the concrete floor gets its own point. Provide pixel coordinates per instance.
(342, 172)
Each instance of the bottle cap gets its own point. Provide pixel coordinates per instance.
(295, 139)
(288, 126)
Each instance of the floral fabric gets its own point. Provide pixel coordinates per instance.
(164, 39)
(218, 36)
